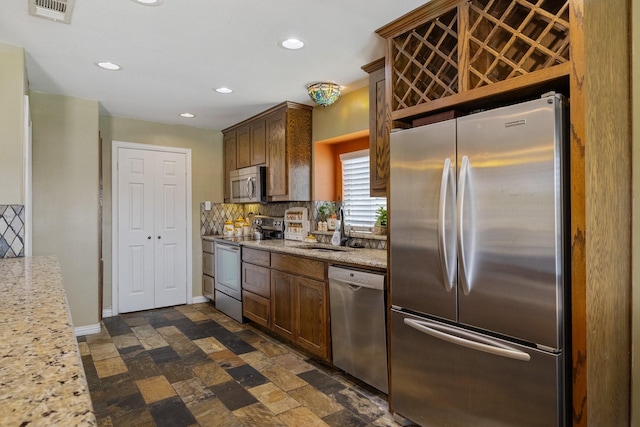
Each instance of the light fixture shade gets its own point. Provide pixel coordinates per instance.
(324, 93)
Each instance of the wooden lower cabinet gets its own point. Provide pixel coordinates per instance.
(208, 269)
(299, 311)
(289, 295)
(256, 293)
(256, 308)
(282, 304)
(312, 316)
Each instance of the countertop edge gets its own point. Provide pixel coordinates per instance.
(360, 257)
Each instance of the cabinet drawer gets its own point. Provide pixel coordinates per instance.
(208, 264)
(256, 279)
(207, 246)
(256, 308)
(298, 265)
(255, 256)
(207, 286)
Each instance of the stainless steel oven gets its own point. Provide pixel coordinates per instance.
(228, 264)
(228, 282)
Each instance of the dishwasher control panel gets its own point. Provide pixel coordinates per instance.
(357, 277)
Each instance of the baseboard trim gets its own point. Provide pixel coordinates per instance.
(87, 330)
(197, 300)
(107, 312)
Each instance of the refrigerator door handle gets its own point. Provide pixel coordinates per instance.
(471, 341)
(465, 278)
(445, 260)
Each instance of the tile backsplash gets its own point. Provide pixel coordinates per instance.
(212, 221)
(11, 231)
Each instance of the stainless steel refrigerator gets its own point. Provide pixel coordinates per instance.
(477, 250)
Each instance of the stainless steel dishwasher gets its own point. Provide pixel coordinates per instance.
(358, 325)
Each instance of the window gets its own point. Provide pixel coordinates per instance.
(359, 208)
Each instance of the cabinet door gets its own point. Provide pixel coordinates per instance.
(277, 152)
(208, 264)
(282, 304)
(311, 316)
(379, 124)
(229, 161)
(256, 279)
(243, 137)
(207, 286)
(258, 143)
(256, 308)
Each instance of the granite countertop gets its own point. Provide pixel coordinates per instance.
(374, 258)
(42, 380)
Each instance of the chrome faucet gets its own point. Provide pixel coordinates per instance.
(343, 237)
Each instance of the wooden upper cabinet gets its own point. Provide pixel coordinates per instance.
(453, 52)
(289, 153)
(243, 139)
(379, 129)
(251, 144)
(229, 142)
(279, 138)
(258, 143)
(277, 147)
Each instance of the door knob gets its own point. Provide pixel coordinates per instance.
(149, 237)
(159, 237)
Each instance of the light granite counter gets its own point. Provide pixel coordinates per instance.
(42, 381)
(373, 258)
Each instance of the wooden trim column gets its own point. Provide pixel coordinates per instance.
(578, 220)
(607, 143)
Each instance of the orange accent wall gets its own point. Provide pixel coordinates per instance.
(327, 175)
(324, 181)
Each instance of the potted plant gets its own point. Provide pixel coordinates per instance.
(323, 212)
(380, 226)
(331, 221)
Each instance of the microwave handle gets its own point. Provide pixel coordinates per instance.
(251, 188)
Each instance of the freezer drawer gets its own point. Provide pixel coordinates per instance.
(436, 382)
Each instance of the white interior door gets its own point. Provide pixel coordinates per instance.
(152, 229)
(170, 224)
(135, 230)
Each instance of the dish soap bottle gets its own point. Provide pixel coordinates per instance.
(335, 239)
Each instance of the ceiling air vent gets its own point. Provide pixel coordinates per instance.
(55, 10)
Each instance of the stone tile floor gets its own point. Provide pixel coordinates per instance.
(194, 366)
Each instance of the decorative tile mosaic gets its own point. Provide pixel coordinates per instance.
(11, 231)
(212, 221)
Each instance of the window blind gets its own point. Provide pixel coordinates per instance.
(360, 209)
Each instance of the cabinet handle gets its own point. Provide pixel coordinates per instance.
(159, 237)
(149, 237)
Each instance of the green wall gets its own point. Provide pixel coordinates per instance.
(349, 114)
(12, 91)
(206, 174)
(65, 195)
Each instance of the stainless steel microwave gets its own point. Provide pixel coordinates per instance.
(249, 185)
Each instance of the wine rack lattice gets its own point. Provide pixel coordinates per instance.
(512, 38)
(425, 62)
(502, 39)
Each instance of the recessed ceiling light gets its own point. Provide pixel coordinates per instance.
(148, 2)
(223, 90)
(187, 115)
(107, 65)
(292, 44)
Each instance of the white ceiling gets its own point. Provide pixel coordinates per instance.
(175, 55)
